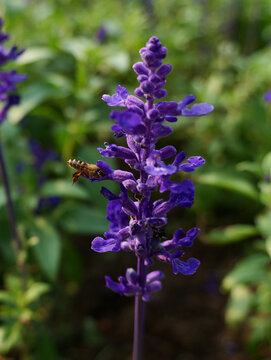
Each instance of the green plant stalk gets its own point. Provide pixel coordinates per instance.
(10, 208)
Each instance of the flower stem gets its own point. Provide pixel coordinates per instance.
(10, 208)
(139, 313)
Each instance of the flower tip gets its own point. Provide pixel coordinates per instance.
(186, 268)
(105, 97)
(200, 109)
(208, 107)
(113, 285)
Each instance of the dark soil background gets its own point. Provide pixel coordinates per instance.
(184, 321)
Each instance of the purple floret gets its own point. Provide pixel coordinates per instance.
(188, 267)
(118, 99)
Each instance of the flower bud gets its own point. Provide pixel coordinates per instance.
(147, 87)
(153, 114)
(159, 94)
(164, 70)
(139, 92)
(140, 68)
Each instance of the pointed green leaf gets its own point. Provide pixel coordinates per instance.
(33, 54)
(64, 188)
(239, 304)
(10, 336)
(35, 291)
(266, 164)
(252, 167)
(231, 234)
(84, 220)
(263, 222)
(32, 96)
(228, 182)
(48, 248)
(251, 269)
(265, 193)
(268, 245)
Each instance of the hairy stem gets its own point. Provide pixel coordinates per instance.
(10, 208)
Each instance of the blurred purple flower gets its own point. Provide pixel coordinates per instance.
(8, 79)
(101, 35)
(40, 157)
(267, 96)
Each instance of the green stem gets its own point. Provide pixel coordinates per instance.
(10, 208)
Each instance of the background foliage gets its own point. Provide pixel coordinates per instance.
(220, 51)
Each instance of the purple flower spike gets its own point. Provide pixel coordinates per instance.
(136, 222)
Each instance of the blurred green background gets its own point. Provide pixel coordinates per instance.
(53, 301)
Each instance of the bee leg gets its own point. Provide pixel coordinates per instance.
(76, 176)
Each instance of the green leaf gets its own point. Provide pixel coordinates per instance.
(83, 220)
(261, 329)
(10, 336)
(252, 167)
(268, 245)
(263, 222)
(228, 182)
(31, 97)
(119, 61)
(35, 291)
(3, 200)
(250, 270)
(5, 296)
(33, 54)
(231, 234)
(266, 164)
(48, 248)
(265, 193)
(64, 188)
(78, 47)
(239, 304)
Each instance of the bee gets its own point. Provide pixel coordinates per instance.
(90, 171)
